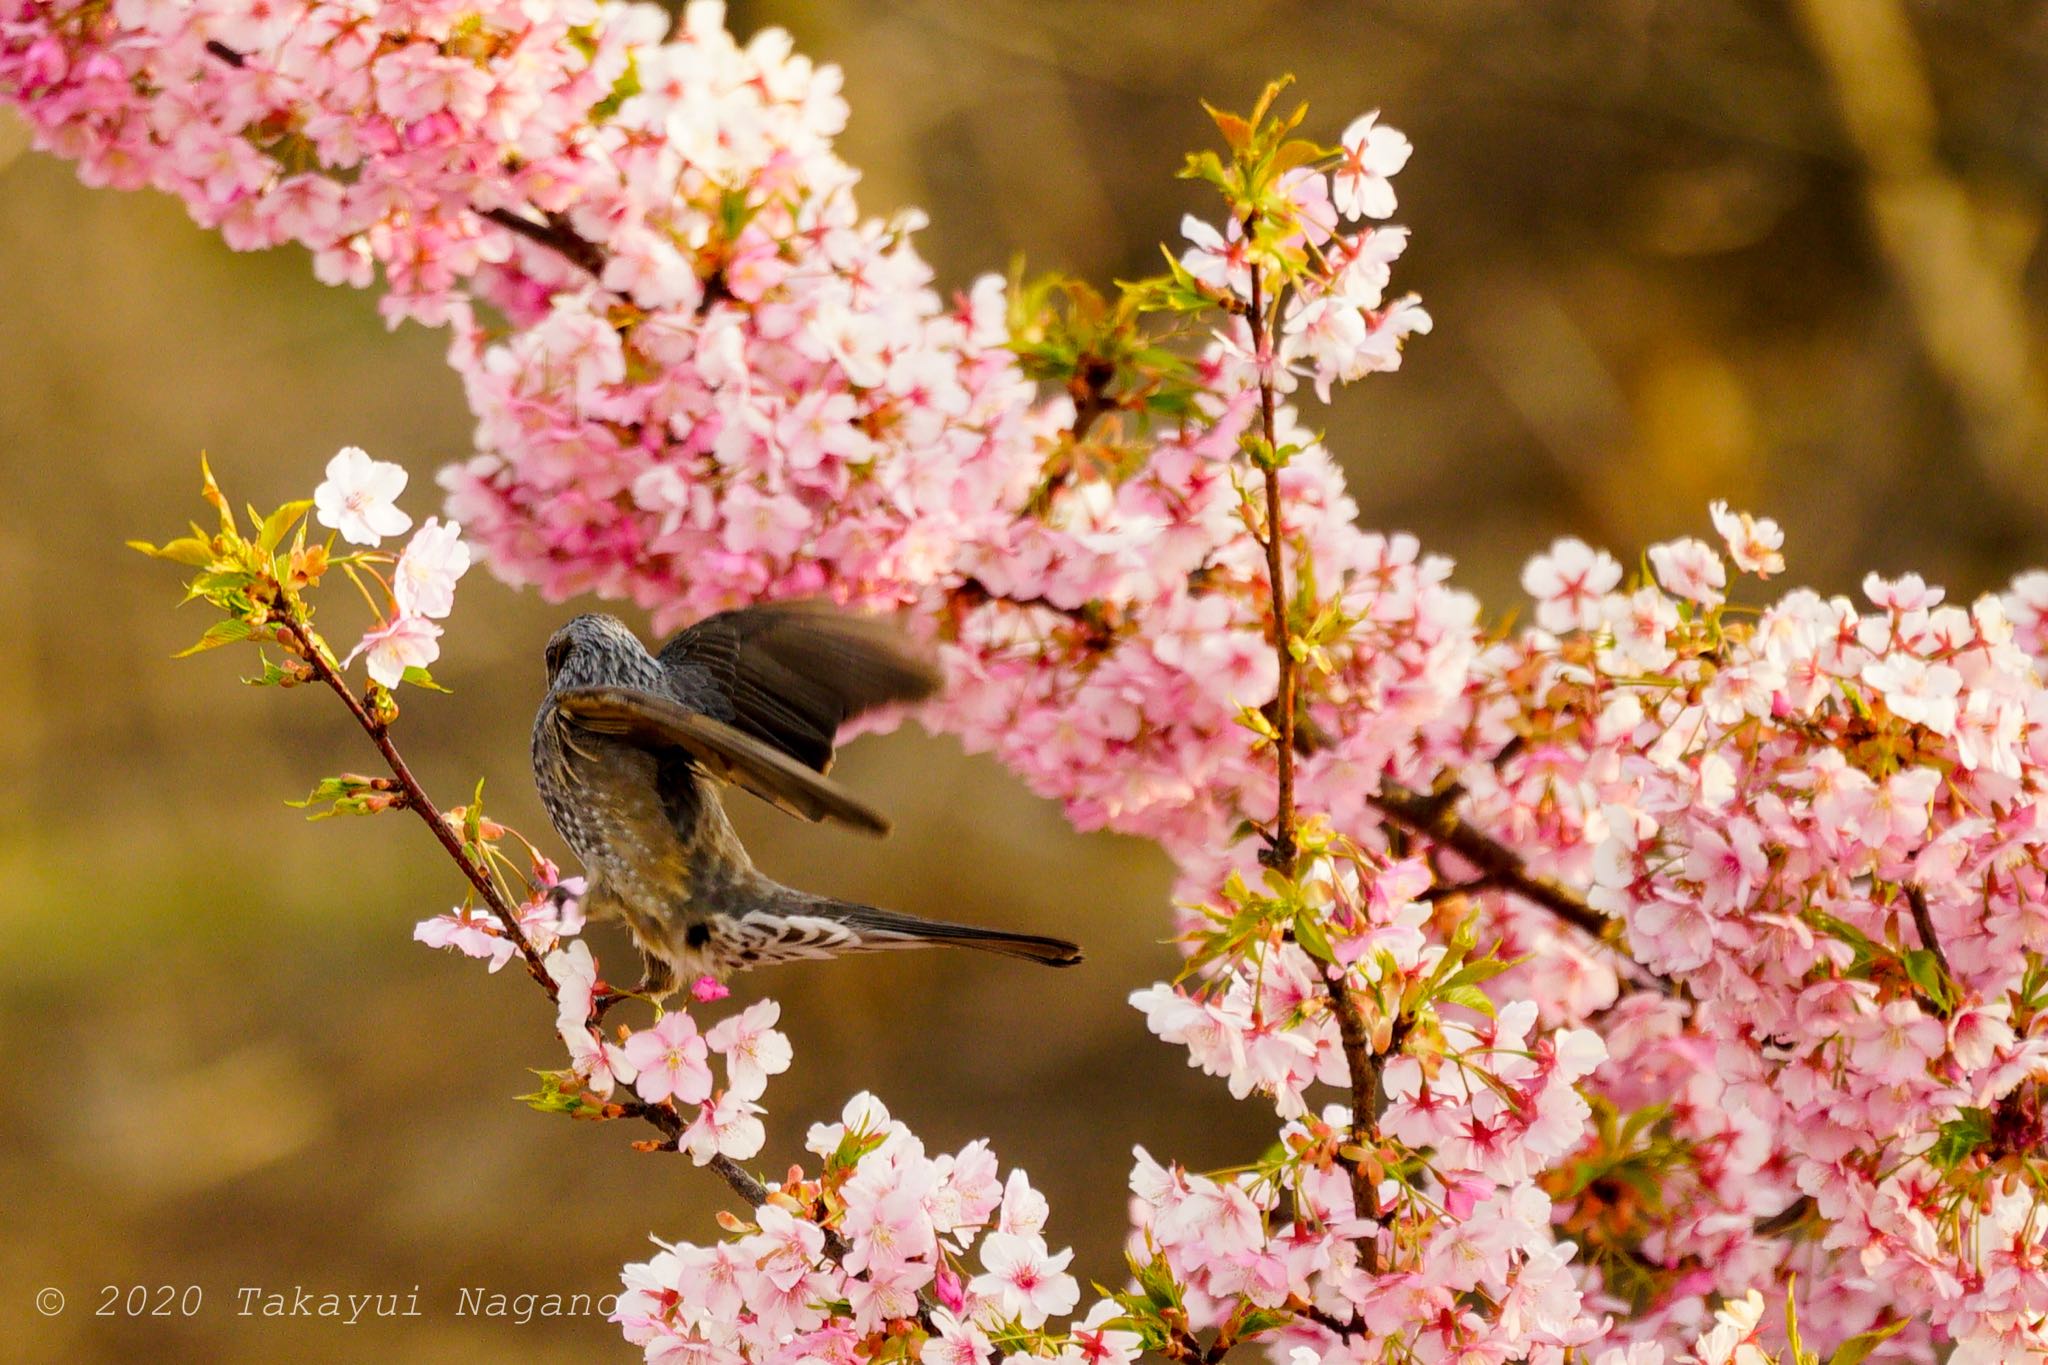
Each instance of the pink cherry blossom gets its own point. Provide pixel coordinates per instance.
(1690, 569)
(424, 580)
(1372, 154)
(729, 1125)
(1753, 542)
(1568, 583)
(390, 647)
(670, 1060)
(1024, 1280)
(752, 1048)
(1219, 260)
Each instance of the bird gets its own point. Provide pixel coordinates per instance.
(632, 751)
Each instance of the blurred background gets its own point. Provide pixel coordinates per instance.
(1783, 253)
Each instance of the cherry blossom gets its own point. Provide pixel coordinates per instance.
(752, 1048)
(356, 497)
(669, 1060)
(424, 581)
(1568, 584)
(1753, 542)
(1373, 153)
(1025, 1281)
(392, 646)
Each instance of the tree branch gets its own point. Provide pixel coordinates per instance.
(416, 797)
(554, 233)
(1329, 1322)
(1281, 850)
(1364, 1069)
(1434, 818)
(1924, 921)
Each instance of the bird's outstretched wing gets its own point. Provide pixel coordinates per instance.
(791, 673)
(657, 722)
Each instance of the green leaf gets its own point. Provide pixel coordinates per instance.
(1259, 1321)
(419, 677)
(1308, 932)
(1471, 997)
(623, 89)
(349, 794)
(218, 634)
(562, 1092)
(1960, 1137)
(734, 213)
(1299, 152)
(1156, 1279)
(1473, 973)
(1642, 1182)
(279, 523)
(1846, 932)
(1857, 1349)
(271, 676)
(1640, 1122)
(1792, 1321)
(221, 586)
(1268, 95)
(1207, 166)
(188, 550)
(210, 490)
(473, 818)
(1923, 969)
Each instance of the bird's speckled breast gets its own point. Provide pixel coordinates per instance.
(603, 798)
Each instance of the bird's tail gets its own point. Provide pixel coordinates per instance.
(882, 929)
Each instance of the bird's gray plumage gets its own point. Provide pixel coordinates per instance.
(629, 750)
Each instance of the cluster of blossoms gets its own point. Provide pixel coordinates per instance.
(358, 500)
(1825, 822)
(945, 1239)
(1658, 951)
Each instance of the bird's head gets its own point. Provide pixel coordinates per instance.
(595, 648)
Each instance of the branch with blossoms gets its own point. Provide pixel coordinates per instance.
(516, 905)
(1424, 862)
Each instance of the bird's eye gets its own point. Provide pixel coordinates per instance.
(557, 651)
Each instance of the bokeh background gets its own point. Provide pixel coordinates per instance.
(1784, 253)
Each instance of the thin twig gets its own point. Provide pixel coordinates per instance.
(1324, 1319)
(1436, 819)
(1282, 850)
(1097, 632)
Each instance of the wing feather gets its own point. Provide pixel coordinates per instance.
(791, 673)
(731, 755)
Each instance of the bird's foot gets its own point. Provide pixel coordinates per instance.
(654, 988)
